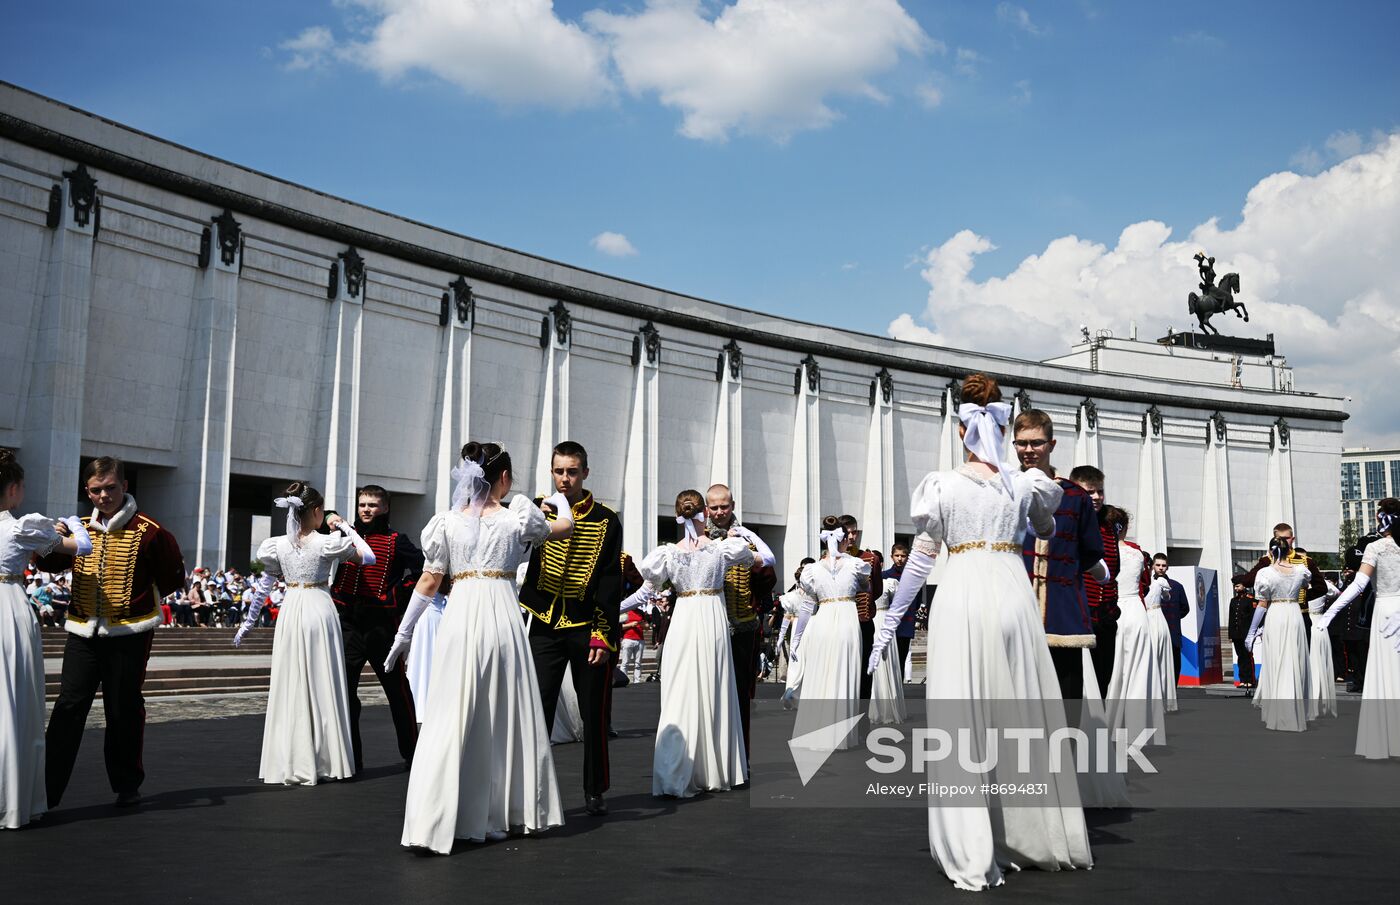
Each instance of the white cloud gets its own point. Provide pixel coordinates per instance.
(929, 96)
(614, 244)
(509, 51)
(1017, 16)
(1317, 264)
(1023, 92)
(850, 265)
(309, 49)
(764, 67)
(966, 60)
(1338, 146)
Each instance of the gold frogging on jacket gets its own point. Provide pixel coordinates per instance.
(566, 566)
(102, 580)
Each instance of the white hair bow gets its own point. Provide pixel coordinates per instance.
(293, 506)
(986, 434)
(831, 539)
(691, 532)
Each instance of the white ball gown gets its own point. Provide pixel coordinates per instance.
(1162, 650)
(986, 644)
(699, 738)
(1322, 685)
(829, 650)
(1378, 735)
(420, 653)
(22, 794)
(1137, 688)
(483, 763)
(307, 734)
(887, 685)
(1282, 696)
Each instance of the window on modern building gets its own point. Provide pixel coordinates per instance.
(1351, 480)
(1394, 476)
(1375, 480)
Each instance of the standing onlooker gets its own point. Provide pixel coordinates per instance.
(1241, 615)
(908, 624)
(633, 626)
(1102, 598)
(1175, 607)
(59, 597)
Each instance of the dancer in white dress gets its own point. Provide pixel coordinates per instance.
(22, 794)
(1136, 698)
(699, 737)
(1322, 685)
(790, 603)
(986, 642)
(826, 641)
(887, 688)
(306, 737)
(420, 653)
(483, 766)
(1378, 732)
(1283, 682)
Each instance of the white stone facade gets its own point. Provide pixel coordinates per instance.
(318, 339)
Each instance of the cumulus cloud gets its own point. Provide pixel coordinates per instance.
(614, 244)
(965, 61)
(1317, 264)
(929, 96)
(509, 51)
(308, 50)
(1018, 17)
(763, 67)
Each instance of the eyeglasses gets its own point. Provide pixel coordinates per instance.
(1030, 444)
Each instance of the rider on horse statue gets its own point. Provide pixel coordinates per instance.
(1214, 299)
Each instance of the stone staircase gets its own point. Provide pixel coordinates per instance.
(187, 661)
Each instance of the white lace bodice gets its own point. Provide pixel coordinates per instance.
(21, 538)
(1384, 557)
(1272, 585)
(1131, 562)
(501, 542)
(820, 584)
(960, 507)
(696, 570)
(310, 563)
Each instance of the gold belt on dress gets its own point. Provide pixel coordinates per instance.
(699, 591)
(482, 573)
(1153, 606)
(999, 546)
(835, 600)
(307, 584)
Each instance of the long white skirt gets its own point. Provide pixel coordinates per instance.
(1378, 734)
(887, 689)
(1101, 786)
(986, 643)
(568, 721)
(483, 763)
(831, 671)
(420, 654)
(699, 739)
(1163, 653)
(22, 794)
(307, 734)
(1283, 680)
(1136, 699)
(1322, 687)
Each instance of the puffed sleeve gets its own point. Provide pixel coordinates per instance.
(1371, 556)
(1264, 586)
(655, 566)
(433, 540)
(337, 547)
(534, 527)
(267, 555)
(37, 534)
(807, 583)
(735, 551)
(927, 515)
(791, 602)
(1043, 494)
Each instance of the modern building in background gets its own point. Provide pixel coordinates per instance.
(1368, 476)
(225, 331)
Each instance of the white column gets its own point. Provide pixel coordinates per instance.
(1086, 440)
(1217, 537)
(554, 400)
(804, 487)
(1278, 505)
(877, 513)
(951, 452)
(727, 452)
(639, 484)
(53, 412)
(338, 440)
(1149, 524)
(455, 418)
(192, 498)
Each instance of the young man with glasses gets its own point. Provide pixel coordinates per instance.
(115, 607)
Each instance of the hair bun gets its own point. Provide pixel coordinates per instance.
(979, 389)
(830, 523)
(7, 456)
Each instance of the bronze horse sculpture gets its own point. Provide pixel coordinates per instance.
(1217, 299)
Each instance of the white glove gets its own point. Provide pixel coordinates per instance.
(562, 510)
(1099, 572)
(876, 656)
(366, 554)
(637, 598)
(911, 582)
(266, 582)
(80, 535)
(417, 604)
(765, 553)
(809, 606)
(1353, 591)
(1254, 626)
(1391, 627)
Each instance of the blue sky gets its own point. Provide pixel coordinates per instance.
(1052, 120)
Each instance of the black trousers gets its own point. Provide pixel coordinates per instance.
(744, 648)
(1176, 663)
(369, 633)
(902, 645)
(867, 644)
(1069, 669)
(1245, 660)
(1104, 653)
(1356, 662)
(117, 665)
(553, 651)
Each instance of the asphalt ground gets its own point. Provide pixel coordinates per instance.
(210, 832)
